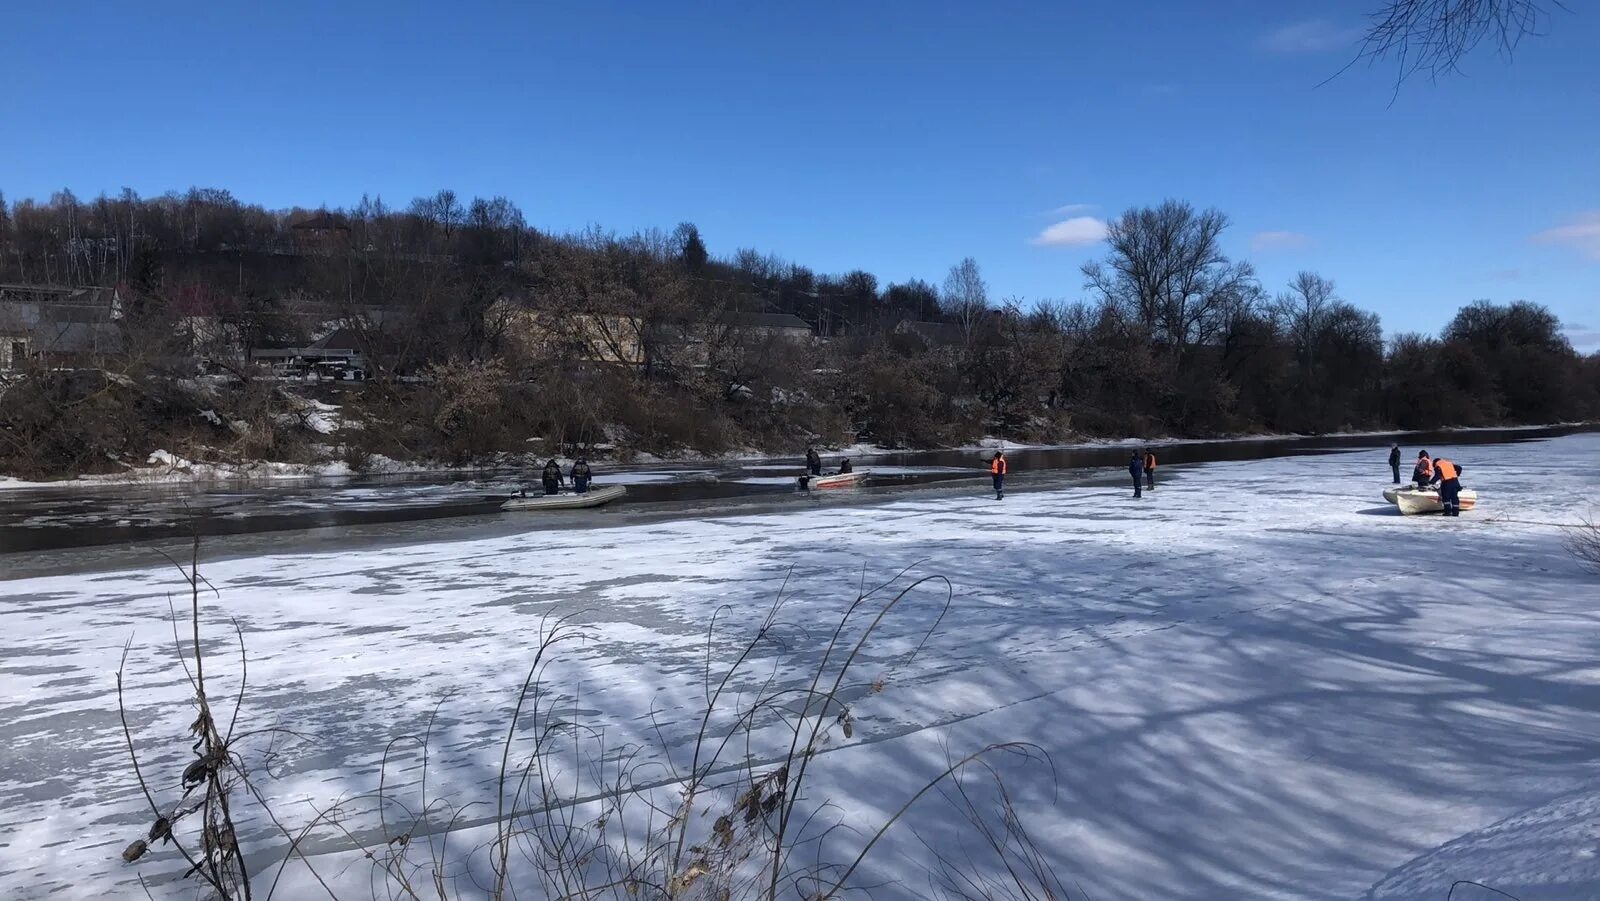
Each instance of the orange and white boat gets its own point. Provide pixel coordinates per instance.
(841, 479)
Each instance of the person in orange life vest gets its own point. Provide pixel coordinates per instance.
(1423, 473)
(1447, 476)
(1150, 468)
(998, 467)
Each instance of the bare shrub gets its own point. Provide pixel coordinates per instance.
(355, 456)
(58, 421)
(1584, 543)
(573, 817)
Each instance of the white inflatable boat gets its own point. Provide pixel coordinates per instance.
(570, 501)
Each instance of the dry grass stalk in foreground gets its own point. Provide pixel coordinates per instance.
(200, 822)
(572, 817)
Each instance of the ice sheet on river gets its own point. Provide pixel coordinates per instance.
(1246, 693)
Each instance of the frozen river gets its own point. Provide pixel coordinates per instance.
(74, 526)
(1257, 681)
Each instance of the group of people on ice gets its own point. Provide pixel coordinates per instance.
(814, 463)
(1141, 466)
(1432, 472)
(553, 478)
(1429, 472)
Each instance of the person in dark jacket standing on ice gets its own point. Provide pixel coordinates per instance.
(581, 475)
(1136, 469)
(813, 461)
(1394, 461)
(552, 477)
(998, 467)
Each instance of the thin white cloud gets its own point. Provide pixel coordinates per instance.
(1311, 36)
(1584, 340)
(1072, 209)
(1266, 242)
(1079, 231)
(1581, 233)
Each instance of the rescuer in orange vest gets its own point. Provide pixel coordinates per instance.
(1423, 473)
(998, 468)
(1447, 476)
(1150, 468)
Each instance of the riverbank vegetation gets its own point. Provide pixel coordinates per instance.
(452, 331)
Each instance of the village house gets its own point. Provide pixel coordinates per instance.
(58, 325)
(783, 326)
(590, 337)
(323, 232)
(336, 355)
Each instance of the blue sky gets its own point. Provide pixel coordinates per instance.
(893, 137)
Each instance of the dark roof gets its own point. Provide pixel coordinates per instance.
(75, 313)
(38, 309)
(935, 334)
(77, 337)
(322, 222)
(765, 320)
(56, 294)
(341, 339)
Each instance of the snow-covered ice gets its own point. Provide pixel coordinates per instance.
(1257, 681)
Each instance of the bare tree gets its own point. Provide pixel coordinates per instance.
(1304, 309)
(5, 227)
(448, 211)
(1167, 270)
(1433, 36)
(966, 296)
(691, 247)
(442, 211)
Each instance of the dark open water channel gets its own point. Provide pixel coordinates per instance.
(85, 527)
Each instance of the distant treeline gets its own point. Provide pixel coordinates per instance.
(478, 334)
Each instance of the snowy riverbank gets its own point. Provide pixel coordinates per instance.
(1255, 682)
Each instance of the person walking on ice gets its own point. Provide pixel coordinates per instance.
(1136, 469)
(1150, 469)
(1394, 461)
(998, 468)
